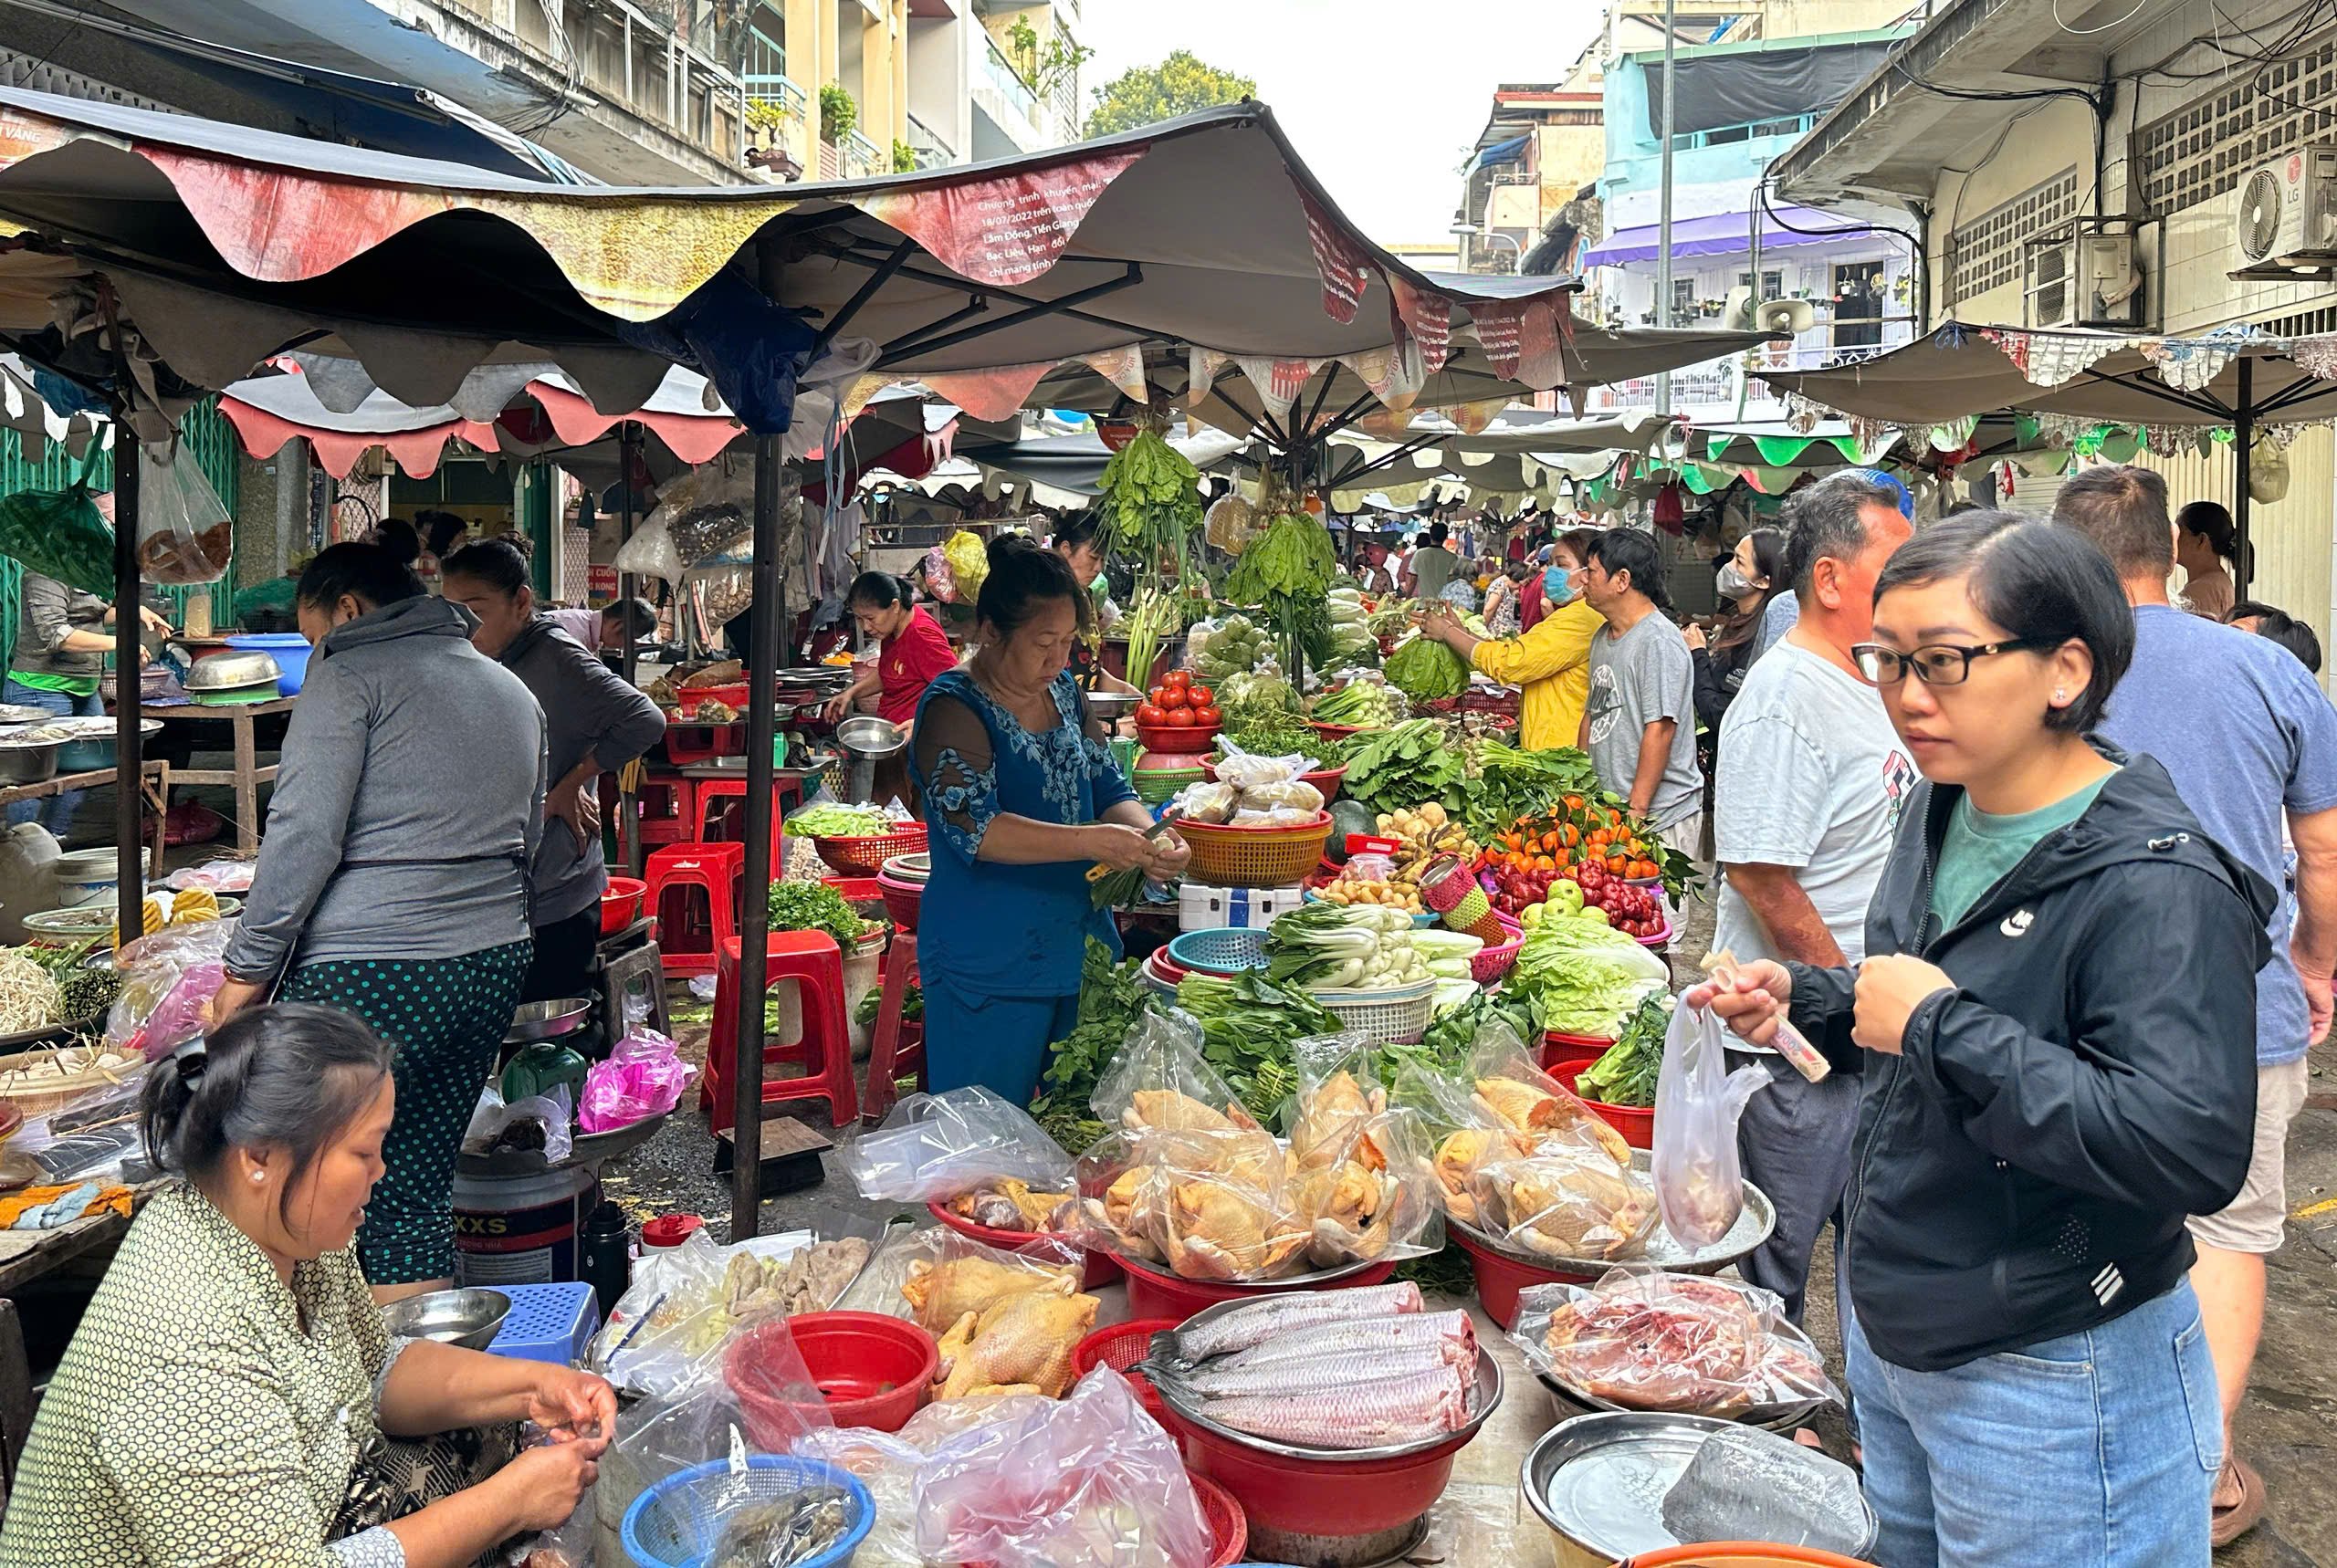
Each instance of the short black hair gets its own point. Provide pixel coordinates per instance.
(494, 562)
(1827, 521)
(1022, 576)
(2038, 582)
(1627, 549)
(289, 1076)
(440, 530)
(365, 573)
(877, 590)
(2279, 626)
(1086, 528)
(2123, 510)
(637, 617)
(1436, 533)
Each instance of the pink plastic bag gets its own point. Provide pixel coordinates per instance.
(1092, 1480)
(644, 1076)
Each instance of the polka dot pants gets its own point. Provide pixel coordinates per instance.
(447, 1018)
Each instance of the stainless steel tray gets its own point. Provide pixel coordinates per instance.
(1774, 1418)
(1485, 1401)
(1661, 1249)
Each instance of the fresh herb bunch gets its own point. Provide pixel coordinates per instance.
(1112, 997)
(1409, 764)
(1268, 729)
(1451, 1037)
(1627, 1074)
(1286, 570)
(814, 906)
(1152, 505)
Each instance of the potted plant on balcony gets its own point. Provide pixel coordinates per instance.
(903, 157)
(838, 113)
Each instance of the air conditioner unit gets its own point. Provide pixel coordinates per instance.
(2087, 278)
(2287, 211)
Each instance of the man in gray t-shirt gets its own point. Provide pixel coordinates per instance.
(1639, 723)
(1432, 565)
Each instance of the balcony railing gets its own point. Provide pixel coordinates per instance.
(1717, 382)
(1001, 78)
(860, 158)
(932, 152)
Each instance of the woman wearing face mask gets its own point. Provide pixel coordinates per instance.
(595, 722)
(2056, 1025)
(393, 882)
(232, 1395)
(1748, 581)
(1021, 797)
(1551, 660)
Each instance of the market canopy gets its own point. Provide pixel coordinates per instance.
(1719, 234)
(2215, 380)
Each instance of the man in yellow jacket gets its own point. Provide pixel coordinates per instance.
(1551, 662)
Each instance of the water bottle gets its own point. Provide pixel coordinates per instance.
(606, 1260)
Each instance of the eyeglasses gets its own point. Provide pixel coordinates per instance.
(1936, 664)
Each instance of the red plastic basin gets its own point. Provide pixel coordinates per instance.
(1320, 1497)
(903, 900)
(1500, 1278)
(1155, 1293)
(874, 1371)
(1102, 1268)
(1120, 1347)
(620, 903)
(1636, 1123)
(1229, 1526)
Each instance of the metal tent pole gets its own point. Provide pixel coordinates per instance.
(2243, 430)
(129, 773)
(754, 919)
(1663, 211)
(628, 797)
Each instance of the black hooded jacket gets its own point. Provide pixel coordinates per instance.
(2023, 1167)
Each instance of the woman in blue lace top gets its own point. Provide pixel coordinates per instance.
(1021, 797)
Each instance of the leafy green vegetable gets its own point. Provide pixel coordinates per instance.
(814, 906)
(912, 1004)
(1264, 728)
(1585, 978)
(1248, 1024)
(1152, 505)
(1514, 785)
(1451, 1037)
(1408, 765)
(1626, 1073)
(1367, 704)
(1111, 999)
(1425, 670)
(834, 822)
(1286, 570)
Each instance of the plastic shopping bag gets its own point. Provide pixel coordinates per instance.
(167, 982)
(1645, 1339)
(1698, 1182)
(936, 1147)
(184, 534)
(644, 1076)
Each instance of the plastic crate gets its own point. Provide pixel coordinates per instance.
(1201, 907)
(1226, 951)
(548, 1322)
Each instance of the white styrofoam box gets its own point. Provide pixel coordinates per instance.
(1204, 908)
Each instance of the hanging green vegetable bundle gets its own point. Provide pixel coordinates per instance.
(1425, 670)
(1287, 571)
(1152, 505)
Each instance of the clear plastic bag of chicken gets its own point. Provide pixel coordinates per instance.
(963, 1145)
(1561, 1203)
(1006, 1322)
(1360, 1175)
(1644, 1339)
(1219, 1202)
(1528, 1102)
(1159, 1080)
(1698, 1179)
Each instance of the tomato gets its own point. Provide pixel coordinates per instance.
(1178, 680)
(1174, 698)
(1206, 716)
(1180, 718)
(1151, 716)
(1154, 695)
(1202, 695)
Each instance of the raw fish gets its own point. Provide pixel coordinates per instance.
(1450, 1331)
(1359, 1415)
(1258, 1321)
(1220, 1379)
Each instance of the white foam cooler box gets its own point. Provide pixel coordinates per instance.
(1202, 907)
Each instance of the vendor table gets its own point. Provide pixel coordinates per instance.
(154, 784)
(246, 776)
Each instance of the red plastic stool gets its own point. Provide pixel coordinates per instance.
(689, 939)
(660, 798)
(898, 1047)
(786, 794)
(815, 963)
(689, 743)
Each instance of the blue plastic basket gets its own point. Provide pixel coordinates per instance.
(1227, 950)
(548, 1322)
(672, 1524)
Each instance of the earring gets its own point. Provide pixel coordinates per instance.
(2059, 695)
(259, 1176)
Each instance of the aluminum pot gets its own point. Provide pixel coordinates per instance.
(28, 761)
(219, 672)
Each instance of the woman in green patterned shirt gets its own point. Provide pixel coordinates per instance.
(228, 1396)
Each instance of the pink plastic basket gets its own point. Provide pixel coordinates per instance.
(1489, 963)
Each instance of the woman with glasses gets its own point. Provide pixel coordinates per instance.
(2055, 1022)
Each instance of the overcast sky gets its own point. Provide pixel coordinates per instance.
(1382, 98)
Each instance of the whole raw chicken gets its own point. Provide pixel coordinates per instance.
(1330, 1117)
(1529, 1108)
(1022, 1344)
(1459, 1156)
(943, 1293)
(1215, 1231)
(1165, 1110)
(1564, 1203)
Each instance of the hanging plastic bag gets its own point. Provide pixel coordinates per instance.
(1645, 1339)
(969, 559)
(184, 534)
(60, 534)
(644, 1076)
(651, 553)
(1698, 1179)
(936, 1147)
(167, 982)
(1092, 1480)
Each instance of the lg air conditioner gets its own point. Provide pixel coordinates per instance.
(2286, 213)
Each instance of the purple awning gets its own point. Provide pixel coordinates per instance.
(1723, 233)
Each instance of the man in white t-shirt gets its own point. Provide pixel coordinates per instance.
(1809, 783)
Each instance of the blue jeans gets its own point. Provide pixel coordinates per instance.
(2094, 1450)
(58, 813)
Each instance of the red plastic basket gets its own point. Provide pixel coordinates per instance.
(865, 855)
(1155, 1293)
(1120, 1347)
(1229, 1525)
(1102, 1268)
(1334, 732)
(1325, 780)
(1326, 1496)
(732, 696)
(873, 1371)
(1228, 856)
(1491, 963)
(1158, 737)
(1636, 1123)
(620, 903)
(1500, 1277)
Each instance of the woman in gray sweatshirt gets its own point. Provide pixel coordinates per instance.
(392, 880)
(594, 724)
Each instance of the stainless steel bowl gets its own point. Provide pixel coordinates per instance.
(224, 671)
(28, 761)
(871, 736)
(549, 1021)
(470, 1318)
(18, 712)
(1110, 706)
